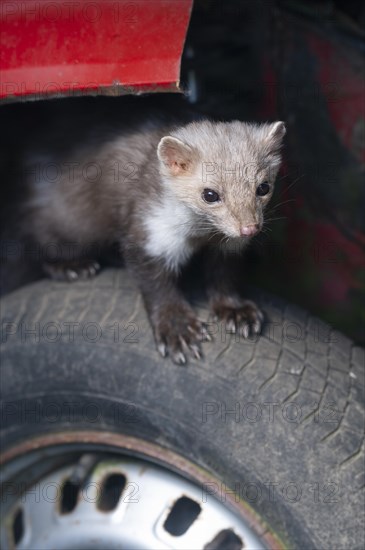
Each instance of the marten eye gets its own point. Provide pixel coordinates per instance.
(210, 196)
(263, 189)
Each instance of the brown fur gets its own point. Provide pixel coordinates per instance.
(141, 187)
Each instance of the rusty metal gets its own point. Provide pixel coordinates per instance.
(149, 450)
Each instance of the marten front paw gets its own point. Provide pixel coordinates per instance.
(179, 333)
(239, 316)
(71, 270)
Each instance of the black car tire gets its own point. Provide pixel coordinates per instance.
(279, 419)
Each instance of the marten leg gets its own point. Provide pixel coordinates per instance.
(224, 277)
(177, 330)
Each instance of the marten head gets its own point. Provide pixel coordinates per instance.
(225, 172)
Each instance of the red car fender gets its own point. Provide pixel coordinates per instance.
(61, 48)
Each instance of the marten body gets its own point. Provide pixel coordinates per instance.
(161, 192)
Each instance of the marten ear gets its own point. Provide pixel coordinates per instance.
(175, 155)
(276, 133)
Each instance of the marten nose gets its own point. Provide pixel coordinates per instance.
(249, 230)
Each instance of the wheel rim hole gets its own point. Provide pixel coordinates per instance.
(182, 515)
(18, 526)
(224, 540)
(111, 490)
(69, 497)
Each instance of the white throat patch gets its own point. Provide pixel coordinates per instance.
(169, 226)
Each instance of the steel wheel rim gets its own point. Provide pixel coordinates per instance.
(160, 489)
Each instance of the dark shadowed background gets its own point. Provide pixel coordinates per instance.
(301, 62)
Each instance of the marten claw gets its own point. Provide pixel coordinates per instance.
(203, 335)
(162, 349)
(196, 351)
(241, 316)
(178, 334)
(71, 270)
(245, 330)
(231, 326)
(179, 358)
